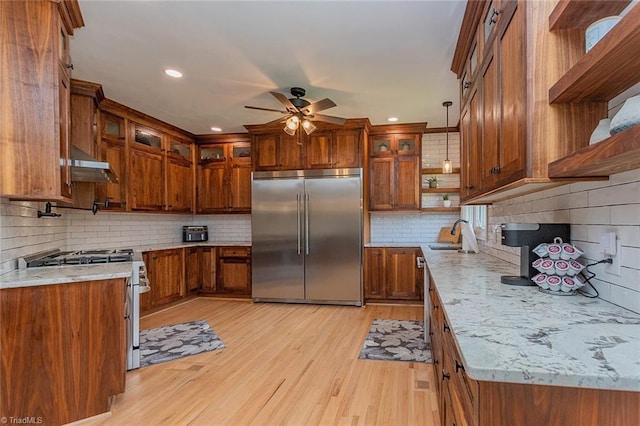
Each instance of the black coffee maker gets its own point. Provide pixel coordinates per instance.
(528, 236)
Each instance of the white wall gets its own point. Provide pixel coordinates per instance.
(591, 208)
(117, 230)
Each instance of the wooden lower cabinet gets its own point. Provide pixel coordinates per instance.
(165, 270)
(192, 271)
(391, 273)
(465, 401)
(234, 271)
(63, 350)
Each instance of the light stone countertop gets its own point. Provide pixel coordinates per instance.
(520, 335)
(67, 274)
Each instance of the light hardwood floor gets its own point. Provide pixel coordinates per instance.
(283, 364)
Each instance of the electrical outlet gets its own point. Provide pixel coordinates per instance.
(615, 267)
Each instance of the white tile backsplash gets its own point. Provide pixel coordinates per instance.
(408, 227)
(591, 208)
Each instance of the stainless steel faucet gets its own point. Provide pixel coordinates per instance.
(453, 229)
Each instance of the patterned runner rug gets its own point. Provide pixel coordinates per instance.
(396, 340)
(176, 341)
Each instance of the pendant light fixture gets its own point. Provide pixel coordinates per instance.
(446, 164)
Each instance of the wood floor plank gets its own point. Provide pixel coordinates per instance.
(283, 364)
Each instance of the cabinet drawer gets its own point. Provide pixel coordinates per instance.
(234, 252)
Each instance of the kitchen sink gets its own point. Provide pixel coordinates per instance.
(444, 246)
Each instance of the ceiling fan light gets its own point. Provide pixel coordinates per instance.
(288, 130)
(292, 123)
(308, 127)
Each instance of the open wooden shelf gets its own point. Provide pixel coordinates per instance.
(438, 171)
(619, 153)
(608, 69)
(441, 209)
(580, 14)
(439, 190)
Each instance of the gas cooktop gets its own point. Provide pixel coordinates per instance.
(81, 257)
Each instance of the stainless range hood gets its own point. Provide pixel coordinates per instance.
(85, 168)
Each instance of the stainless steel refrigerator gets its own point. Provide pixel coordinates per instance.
(306, 231)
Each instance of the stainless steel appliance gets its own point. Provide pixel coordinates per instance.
(195, 233)
(136, 284)
(307, 236)
(527, 236)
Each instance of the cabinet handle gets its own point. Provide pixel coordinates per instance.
(494, 16)
(436, 362)
(459, 366)
(431, 333)
(436, 307)
(68, 66)
(466, 85)
(468, 187)
(445, 375)
(497, 170)
(445, 327)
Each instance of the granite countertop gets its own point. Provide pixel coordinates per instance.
(64, 274)
(68, 274)
(520, 335)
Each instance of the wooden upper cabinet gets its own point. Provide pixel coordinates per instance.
(113, 150)
(329, 146)
(395, 159)
(333, 149)
(470, 171)
(266, 152)
(346, 148)
(290, 149)
(146, 180)
(180, 176)
(224, 175)
(35, 96)
(517, 134)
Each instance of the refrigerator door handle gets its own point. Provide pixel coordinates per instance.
(306, 224)
(298, 221)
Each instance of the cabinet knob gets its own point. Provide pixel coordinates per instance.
(466, 84)
(459, 366)
(445, 375)
(445, 327)
(68, 66)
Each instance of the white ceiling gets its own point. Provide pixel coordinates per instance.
(374, 59)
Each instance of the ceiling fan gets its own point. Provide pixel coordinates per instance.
(300, 111)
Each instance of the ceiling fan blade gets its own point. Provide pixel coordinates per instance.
(328, 119)
(267, 109)
(326, 103)
(285, 101)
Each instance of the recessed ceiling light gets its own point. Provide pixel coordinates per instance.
(216, 129)
(173, 73)
(392, 119)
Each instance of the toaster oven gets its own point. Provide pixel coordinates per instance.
(192, 234)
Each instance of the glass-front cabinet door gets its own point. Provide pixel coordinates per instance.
(212, 153)
(146, 136)
(180, 150)
(381, 145)
(112, 127)
(405, 144)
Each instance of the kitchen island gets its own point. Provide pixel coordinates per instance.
(514, 355)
